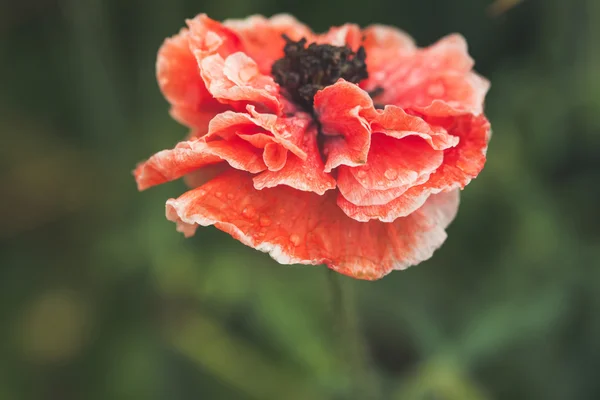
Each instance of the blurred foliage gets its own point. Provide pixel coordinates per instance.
(100, 298)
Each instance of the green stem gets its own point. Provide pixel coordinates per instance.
(348, 336)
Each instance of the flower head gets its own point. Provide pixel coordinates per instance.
(346, 148)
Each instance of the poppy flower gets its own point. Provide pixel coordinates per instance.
(346, 148)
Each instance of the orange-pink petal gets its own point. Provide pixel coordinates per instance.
(305, 175)
(461, 164)
(168, 165)
(208, 37)
(189, 156)
(465, 161)
(345, 35)
(237, 81)
(397, 163)
(260, 129)
(339, 109)
(262, 37)
(179, 80)
(303, 227)
(357, 194)
(395, 122)
(440, 72)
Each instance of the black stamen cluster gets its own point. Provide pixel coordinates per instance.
(303, 71)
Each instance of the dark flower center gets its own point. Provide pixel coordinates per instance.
(303, 71)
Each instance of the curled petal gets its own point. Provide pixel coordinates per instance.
(397, 163)
(189, 156)
(200, 176)
(379, 39)
(286, 131)
(440, 72)
(168, 165)
(302, 227)
(179, 80)
(238, 153)
(357, 194)
(462, 94)
(395, 122)
(402, 206)
(461, 164)
(307, 175)
(237, 81)
(465, 161)
(381, 44)
(274, 156)
(208, 37)
(262, 37)
(339, 109)
(345, 35)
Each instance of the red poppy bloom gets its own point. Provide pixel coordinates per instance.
(346, 148)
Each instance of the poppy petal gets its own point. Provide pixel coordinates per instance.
(309, 229)
(306, 175)
(168, 165)
(401, 206)
(208, 37)
(179, 80)
(339, 108)
(188, 156)
(465, 161)
(397, 163)
(440, 72)
(357, 194)
(395, 122)
(262, 37)
(461, 164)
(237, 81)
(260, 129)
(345, 35)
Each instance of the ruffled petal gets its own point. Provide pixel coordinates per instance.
(461, 164)
(357, 194)
(465, 161)
(339, 109)
(262, 37)
(179, 80)
(397, 163)
(440, 72)
(402, 206)
(395, 122)
(261, 129)
(237, 81)
(381, 44)
(189, 156)
(208, 37)
(274, 156)
(302, 227)
(345, 35)
(307, 175)
(168, 165)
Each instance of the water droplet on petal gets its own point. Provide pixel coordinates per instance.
(380, 183)
(295, 239)
(361, 174)
(201, 192)
(265, 221)
(249, 212)
(436, 90)
(390, 174)
(219, 194)
(230, 196)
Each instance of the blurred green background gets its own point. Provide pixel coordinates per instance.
(100, 298)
